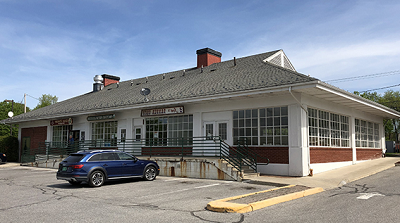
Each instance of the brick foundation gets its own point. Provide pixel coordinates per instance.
(329, 155)
(274, 154)
(368, 154)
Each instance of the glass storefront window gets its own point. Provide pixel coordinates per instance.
(328, 129)
(105, 131)
(60, 134)
(171, 130)
(266, 126)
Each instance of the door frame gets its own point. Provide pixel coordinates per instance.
(229, 138)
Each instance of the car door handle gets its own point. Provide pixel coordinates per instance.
(124, 164)
(105, 165)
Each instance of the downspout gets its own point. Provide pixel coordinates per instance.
(308, 137)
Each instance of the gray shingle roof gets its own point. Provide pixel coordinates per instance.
(250, 73)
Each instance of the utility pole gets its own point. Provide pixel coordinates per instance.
(25, 103)
(11, 114)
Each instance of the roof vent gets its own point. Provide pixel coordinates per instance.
(98, 83)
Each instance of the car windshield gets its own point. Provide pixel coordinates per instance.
(74, 158)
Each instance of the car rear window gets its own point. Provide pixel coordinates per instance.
(74, 158)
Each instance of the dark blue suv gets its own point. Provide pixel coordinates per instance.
(96, 167)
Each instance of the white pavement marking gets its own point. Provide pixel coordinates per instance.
(174, 179)
(172, 192)
(211, 185)
(366, 196)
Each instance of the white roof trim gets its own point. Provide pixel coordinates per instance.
(339, 96)
(282, 59)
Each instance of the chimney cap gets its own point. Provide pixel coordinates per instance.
(209, 51)
(110, 77)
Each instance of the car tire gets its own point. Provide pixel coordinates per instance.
(74, 182)
(150, 173)
(96, 179)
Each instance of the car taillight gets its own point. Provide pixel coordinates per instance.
(77, 166)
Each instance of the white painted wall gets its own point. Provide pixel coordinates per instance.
(274, 169)
(298, 149)
(322, 167)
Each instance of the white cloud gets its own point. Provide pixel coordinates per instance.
(326, 54)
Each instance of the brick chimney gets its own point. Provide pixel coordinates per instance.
(207, 56)
(109, 79)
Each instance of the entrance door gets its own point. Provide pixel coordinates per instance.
(75, 134)
(216, 128)
(137, 140)
(211, 130)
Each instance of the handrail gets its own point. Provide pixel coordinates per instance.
(251, 157)
(183, 146)
(231, 156)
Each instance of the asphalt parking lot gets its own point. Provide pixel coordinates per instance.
(34, 194)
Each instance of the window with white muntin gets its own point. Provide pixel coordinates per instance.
(367, 134)
(328, 129)
(265, 126)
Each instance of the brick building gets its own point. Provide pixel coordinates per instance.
(297, 121)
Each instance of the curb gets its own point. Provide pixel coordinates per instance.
(223, 205)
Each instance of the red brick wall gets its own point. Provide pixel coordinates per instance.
(107, 81)
(37, 135)
(367, 154)
(274, 154)
(328, 155)
(207, 59)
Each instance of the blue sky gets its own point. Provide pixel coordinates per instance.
(57, 47)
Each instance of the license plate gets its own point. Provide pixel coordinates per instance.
(64, 168)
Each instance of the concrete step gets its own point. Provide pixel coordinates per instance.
(250, 175)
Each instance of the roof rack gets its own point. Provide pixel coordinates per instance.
(95, 151)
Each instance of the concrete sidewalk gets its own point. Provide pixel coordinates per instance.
(11, 164)
(333, 178)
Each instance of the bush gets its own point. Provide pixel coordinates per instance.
(9, 146)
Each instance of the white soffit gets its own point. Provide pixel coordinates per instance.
(338, 96)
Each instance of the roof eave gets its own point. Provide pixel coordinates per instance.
(249, 92)
(380, 109)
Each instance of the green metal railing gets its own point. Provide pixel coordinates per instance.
(182, 147)
(173, 147)
(250, 158)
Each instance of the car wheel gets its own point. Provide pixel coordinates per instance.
(74, 182)
(150, 173)
(96, 179)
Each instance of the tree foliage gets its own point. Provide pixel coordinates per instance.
(6, 107)
(9, 146)
(46, 100)
(390, 99)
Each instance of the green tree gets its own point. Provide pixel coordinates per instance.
(46, 100)
(390, 99)
(6, 107)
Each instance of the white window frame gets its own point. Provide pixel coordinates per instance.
(328, 129)
(367, 134)
(262, 126)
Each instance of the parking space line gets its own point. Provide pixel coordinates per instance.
(176, 191)
(211, 185)
(174, 179)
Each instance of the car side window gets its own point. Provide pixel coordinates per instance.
(109, 156)
(124, 156)
(94, 158)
